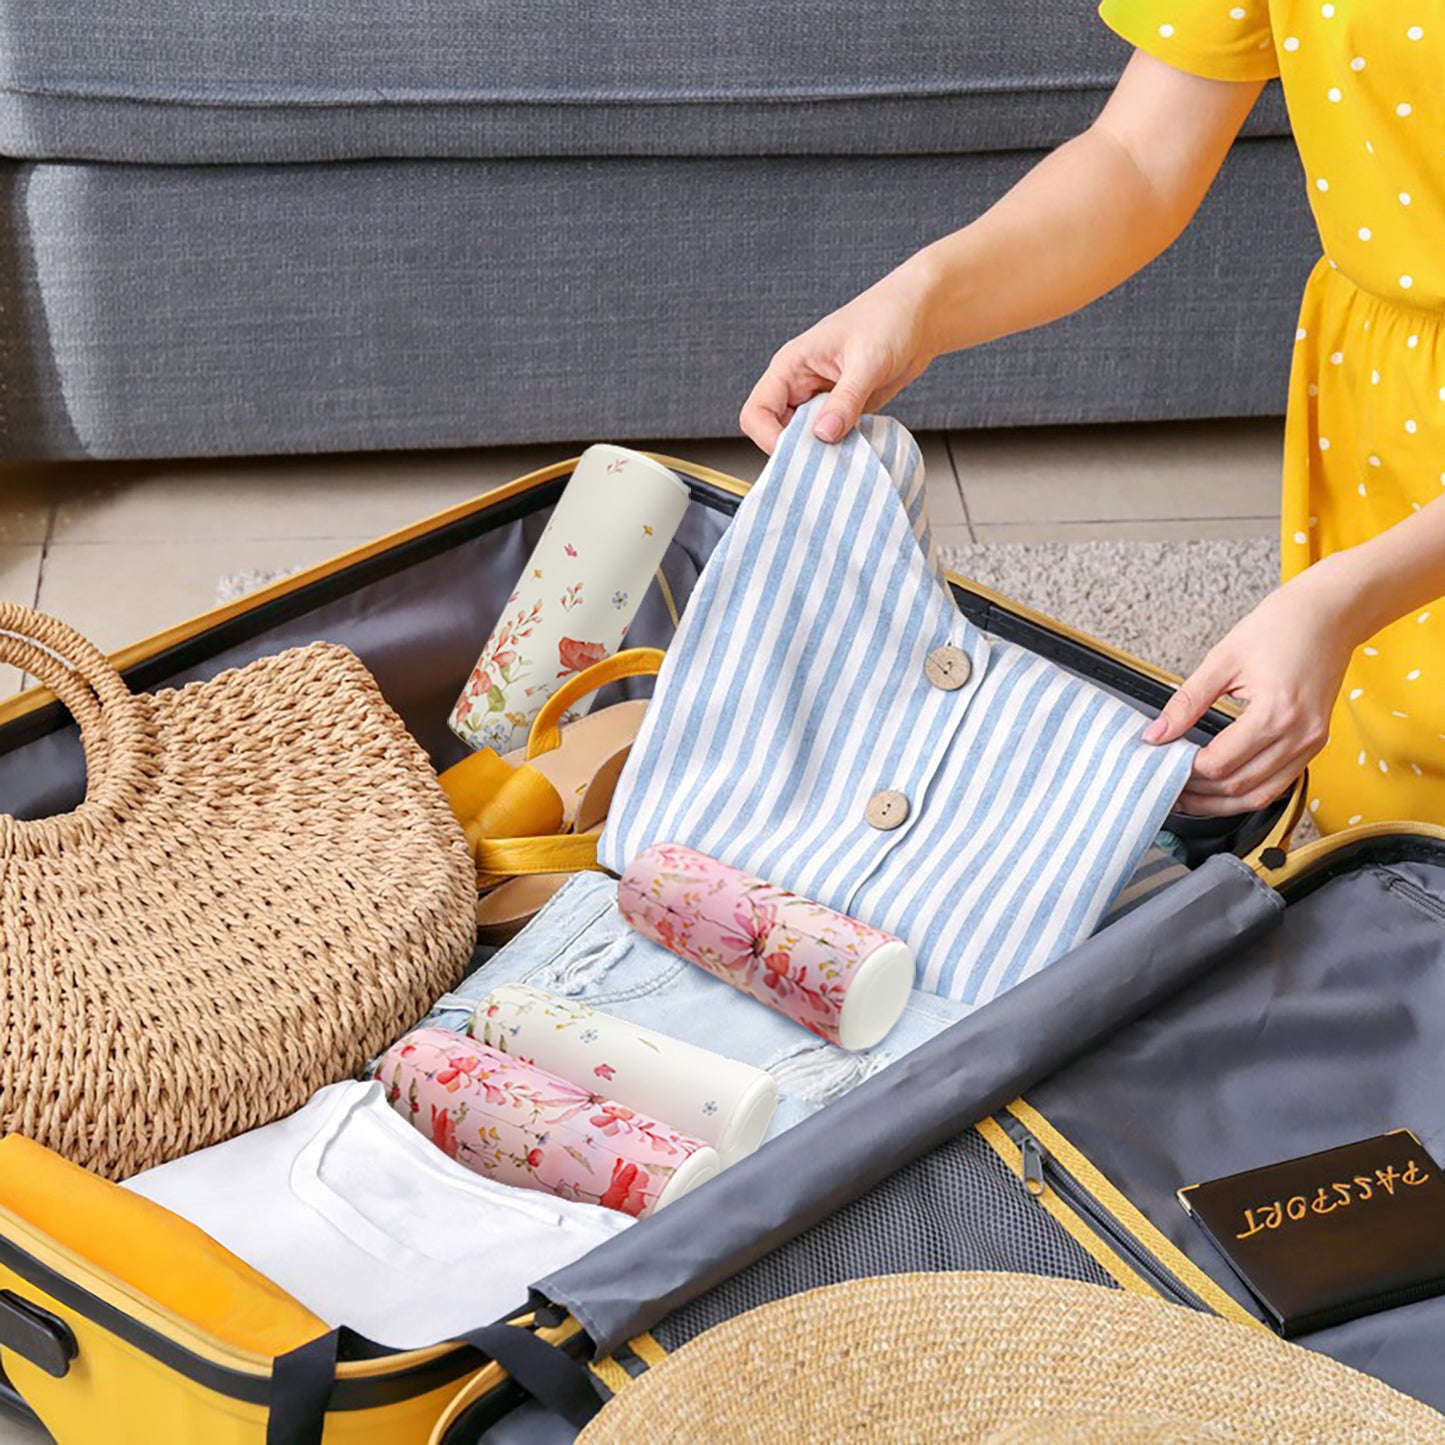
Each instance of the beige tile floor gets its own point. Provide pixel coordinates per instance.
(122, 550)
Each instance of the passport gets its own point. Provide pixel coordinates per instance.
(1329, 1237)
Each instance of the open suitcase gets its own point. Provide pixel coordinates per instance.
(1203, 1032)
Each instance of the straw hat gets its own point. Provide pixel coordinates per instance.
(999, 1358)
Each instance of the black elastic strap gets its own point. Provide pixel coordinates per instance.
(301, 1382)
(549, 1376)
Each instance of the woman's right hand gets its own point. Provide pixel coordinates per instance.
(864, 353)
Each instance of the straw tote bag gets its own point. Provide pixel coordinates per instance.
(262, 888)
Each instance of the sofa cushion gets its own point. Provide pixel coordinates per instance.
(195, 310)
(188, 81)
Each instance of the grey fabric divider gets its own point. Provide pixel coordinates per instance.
(530, 1424)
(959, 1207)
(965, 1074)
(210, 310)
(1332, 1029)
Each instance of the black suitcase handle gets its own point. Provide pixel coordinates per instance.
(36, 1335)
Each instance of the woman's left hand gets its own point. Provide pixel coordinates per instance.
(1285, 661)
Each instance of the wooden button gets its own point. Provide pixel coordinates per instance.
(947, 668)
(886, 810)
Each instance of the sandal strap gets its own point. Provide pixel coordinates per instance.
(546, 731)
(501, 858)
(513, 815)
(496, 799)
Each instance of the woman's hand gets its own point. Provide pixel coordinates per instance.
(865, 353)
(1286, 661)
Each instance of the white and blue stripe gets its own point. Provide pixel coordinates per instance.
(795, 690)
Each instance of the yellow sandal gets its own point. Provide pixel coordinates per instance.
(532, 817)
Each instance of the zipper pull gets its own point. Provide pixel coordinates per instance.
(1033, 1166)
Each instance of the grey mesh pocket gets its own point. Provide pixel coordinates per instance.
(959, 1207)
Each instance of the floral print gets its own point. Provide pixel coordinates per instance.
(720, 1100)
(481, 710)
(577, 595)
(507, 1118)
(795, 956)
(578, 656)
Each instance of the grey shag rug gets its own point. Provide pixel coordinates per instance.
(1166, 602)
(234, 585)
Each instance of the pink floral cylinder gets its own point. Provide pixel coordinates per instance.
(845, 981)
(521, 1125)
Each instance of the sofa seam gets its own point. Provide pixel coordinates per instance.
(380, 97)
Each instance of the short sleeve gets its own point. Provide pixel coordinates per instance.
(1218, 39)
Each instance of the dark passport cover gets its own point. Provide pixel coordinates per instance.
(1334, 1235)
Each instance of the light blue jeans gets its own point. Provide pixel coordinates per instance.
(581, 947)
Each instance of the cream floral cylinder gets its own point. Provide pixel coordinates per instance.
(577, 595)
(722, 1101)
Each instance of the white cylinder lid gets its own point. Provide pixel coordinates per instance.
(877, 996)
(749, 1121)
(696, 1169)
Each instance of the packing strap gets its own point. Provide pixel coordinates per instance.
(301, 1384)
(301, 1381)
(551, 1377)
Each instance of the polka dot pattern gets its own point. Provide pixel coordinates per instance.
(1359, 80)
(1365, 439)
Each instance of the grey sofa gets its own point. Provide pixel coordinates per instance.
(234, 226)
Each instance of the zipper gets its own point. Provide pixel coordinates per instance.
(1042, 1174)
(1413, 893)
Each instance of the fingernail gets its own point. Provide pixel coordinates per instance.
(829, 427)
(1154, 731)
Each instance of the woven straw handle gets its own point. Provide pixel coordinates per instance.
(112, 724)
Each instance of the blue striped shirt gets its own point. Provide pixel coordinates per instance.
(795, 690)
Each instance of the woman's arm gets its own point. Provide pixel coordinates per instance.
(1286, 659)
(1084, 219)
(1393, 574)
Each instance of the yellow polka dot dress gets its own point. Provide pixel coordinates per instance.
(1365, 438)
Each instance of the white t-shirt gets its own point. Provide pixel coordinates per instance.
(370, 1225)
